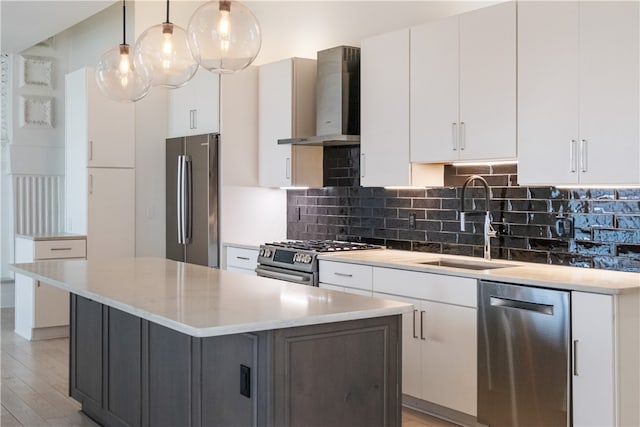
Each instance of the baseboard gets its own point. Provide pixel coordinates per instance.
(441, 412)
(7, 294)
(36, 334)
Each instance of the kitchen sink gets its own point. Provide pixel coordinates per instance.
(467, 265)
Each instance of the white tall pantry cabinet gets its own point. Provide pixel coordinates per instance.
(99, 168)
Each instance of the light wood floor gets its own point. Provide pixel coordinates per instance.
(34, 384)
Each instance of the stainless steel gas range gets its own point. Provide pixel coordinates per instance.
(297, 260)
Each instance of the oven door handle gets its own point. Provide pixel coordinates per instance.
(283, 276)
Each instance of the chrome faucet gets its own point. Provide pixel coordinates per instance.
(489, 231)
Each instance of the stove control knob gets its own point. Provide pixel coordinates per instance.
(261, 253)
(296, 257)
(267, 252)
(307, 259)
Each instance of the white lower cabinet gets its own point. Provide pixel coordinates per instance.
(593, 368)
(439, 336)
(411, 346)
(242, 260)
(42, 310)
(605, 365)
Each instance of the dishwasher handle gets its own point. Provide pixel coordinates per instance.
(521, 305)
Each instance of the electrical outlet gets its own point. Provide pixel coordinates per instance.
(245, 381)
(564, 227)
(412, 220)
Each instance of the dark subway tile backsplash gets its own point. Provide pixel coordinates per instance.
(605, 222)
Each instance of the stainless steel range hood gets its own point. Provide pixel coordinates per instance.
(338, 99)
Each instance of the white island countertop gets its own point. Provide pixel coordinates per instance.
(201, 301)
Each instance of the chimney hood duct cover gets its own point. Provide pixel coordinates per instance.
(338, 99)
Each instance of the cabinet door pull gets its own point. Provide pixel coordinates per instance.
(287, 168)
(463, 137)
(362, 163)
(342, 274)
(573, 161)
(454, 136)
(90, 150)
(38, 283)
(583, 155)
(60, 249)
(422, 337)
(244, 258)
(414, 323)
(575, 358)
(193, 119)
(90, 183)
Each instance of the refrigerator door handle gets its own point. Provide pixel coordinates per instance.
(188, 204)
(179, 200)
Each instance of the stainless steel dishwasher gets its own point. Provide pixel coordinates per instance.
(523, 356)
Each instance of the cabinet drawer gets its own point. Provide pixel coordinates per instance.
(427, 286)
(349, 275)
(55, 249)
(242, 258)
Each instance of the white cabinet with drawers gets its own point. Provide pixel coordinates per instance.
(242, 259)
(41, 310)
(350, 278)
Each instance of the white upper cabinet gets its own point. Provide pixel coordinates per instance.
(384, 147)
(194, 108)
(578, 93)
(287, 109)
(99, 131)
(463, 87)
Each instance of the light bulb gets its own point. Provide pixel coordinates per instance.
(125, 65)
(167, 50)
(224, 25)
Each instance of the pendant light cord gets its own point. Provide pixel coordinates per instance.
(167, 12)
(124, 23)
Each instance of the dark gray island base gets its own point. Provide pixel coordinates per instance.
(128, 371)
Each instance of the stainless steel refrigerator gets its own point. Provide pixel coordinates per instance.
(192, 199)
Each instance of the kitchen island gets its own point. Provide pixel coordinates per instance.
(156, 342)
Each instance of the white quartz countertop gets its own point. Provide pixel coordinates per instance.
(52, 236)
(201, 301)
(543, 275)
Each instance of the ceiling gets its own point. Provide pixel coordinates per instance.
(25, 23)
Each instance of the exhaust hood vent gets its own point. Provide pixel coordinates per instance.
(338, 99)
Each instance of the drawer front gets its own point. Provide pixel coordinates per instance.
(349, 275)
(242, 258)
(54, 249)
(426, 286)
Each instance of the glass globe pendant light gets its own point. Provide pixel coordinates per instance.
(224, 36)
(117, 76)
(163, 50)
